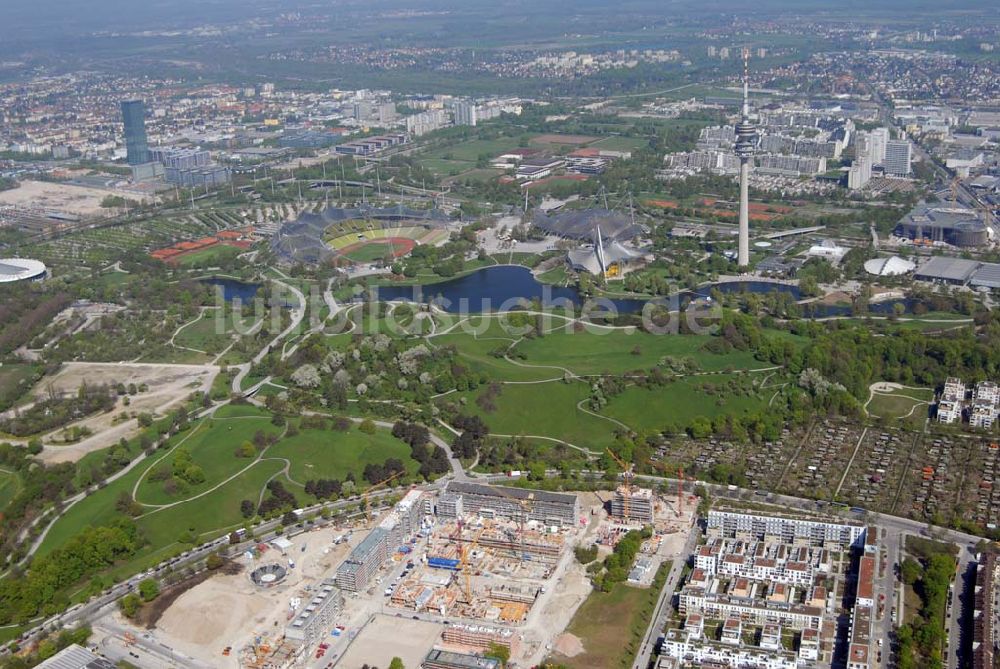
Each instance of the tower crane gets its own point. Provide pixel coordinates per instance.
(465, 552)
(628, 476)
(367, 493)
(527, 506)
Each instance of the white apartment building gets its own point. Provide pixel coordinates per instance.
(798, 531)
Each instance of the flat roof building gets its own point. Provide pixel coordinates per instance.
(550, 508)
(76, 657)
(939, 269)
(806, 530)
(355, 573)
(444, 659)
(318, 615)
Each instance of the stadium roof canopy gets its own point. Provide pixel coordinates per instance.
(303, 240)
(583, 223)
(891, 266)
(20, 269)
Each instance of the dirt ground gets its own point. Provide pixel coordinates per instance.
(168, 385)
(79, 200)
(554, 609)
(388, 637)
(229, 610)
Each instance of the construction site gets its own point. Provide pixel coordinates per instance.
(445, 574)
(483, 569)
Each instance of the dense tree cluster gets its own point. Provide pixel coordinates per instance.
(279, 499)
(375, 474)
(54, 411)
(433, 460)
(40, 486)
(617, 565)
(43, 588)
(23, 313)
(474, 431)
(324, 488)
(922, 641)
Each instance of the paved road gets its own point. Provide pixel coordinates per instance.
(664, 605)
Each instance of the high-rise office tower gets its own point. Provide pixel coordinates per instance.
(136, 145)
(879, 138)
(746, 146)
(898, 157)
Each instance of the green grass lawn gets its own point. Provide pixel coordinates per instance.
(374, 250)
(316, 454)
(677, 403)
(545, 409)
(611, 625)
(558, 276)
(908, 403)
(9, 486)
(617, 351)
(470, 150)
(212, 443)
(213, 254)
(15, 381)
(621, 143)
(212, 332)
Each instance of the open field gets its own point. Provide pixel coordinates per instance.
(548, 410)
(213, 507)
(316, 454)
(213, 254)
(891, 401)
(78, 200)
(678, 402)
(9, 486)
(14, 381)
(167, 386)
(212, 444)
(609, 625)
(621, 143)
(411, 640)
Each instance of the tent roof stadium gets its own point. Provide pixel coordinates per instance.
(582, 224)
(589, 259)
(303, 240)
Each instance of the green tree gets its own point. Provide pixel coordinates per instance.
(129, 605)
(396, 663)
(910, 571)
(367, 426)
(149, 589)
(498, 652)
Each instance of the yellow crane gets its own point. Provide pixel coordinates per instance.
(466, 571)
(628, 476)
(367, 493)
(527, 506)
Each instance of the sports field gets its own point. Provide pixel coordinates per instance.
(377, 249)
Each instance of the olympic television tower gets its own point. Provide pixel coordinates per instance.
(746, 147)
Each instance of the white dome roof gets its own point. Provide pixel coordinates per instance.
(891, 266)
(19, 269)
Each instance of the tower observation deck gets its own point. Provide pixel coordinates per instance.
(745, 148)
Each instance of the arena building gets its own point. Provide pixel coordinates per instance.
(582, 224)
(609, 260)
(21, 269)
(953, 225)
(317, 238)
